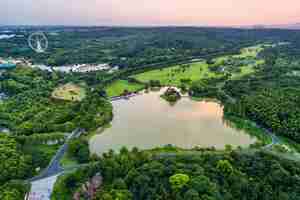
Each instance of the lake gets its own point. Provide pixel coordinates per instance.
(147, 121)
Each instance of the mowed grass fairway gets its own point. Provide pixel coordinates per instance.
(173, 75)
(69, 92)
(249, 52)
(117, 88)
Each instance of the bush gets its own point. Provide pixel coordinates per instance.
(79, 149)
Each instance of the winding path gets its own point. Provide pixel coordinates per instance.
(54, 167)
(42, 185)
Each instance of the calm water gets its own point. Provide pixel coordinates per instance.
(147, 121)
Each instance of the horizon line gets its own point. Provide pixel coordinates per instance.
(153, 25)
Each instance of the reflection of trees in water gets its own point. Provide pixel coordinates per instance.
(229, 124)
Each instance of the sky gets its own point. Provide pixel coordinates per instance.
(149, 12)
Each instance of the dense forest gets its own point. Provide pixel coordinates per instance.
(30, 108)
(208, 175)
(34, 118)
(267, 94)
(270, 96)
(134, 47)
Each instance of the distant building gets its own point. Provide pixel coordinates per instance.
(7, 66)
(42, 67)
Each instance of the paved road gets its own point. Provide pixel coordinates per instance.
(275, 139)
(42, 185)
(42, 189)
(54, 166)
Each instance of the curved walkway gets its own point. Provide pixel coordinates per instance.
(54, 166)
(42, 185)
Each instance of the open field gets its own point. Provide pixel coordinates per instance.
(173, 75)
(245, 61)
(249, 52)
(245, 70)
(119, 86)
(69, 92)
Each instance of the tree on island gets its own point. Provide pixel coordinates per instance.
(171, 95)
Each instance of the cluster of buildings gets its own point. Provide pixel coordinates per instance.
(83, 68)
(5, 64)
(12, 63)
(80, 68)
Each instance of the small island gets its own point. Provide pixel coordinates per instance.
(171, 95)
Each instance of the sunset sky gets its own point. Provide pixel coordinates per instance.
(149, 12)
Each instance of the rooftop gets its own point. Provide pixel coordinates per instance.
(7, 66)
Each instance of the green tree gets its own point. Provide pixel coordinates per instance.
(192, 194)
(178, 181)
(225, 167)
(79, 149)
(203, 185)
(13, 164)
(115, 195)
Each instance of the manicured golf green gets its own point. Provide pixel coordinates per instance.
(118, 87)
(173, 75)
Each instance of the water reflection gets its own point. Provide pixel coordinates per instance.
(147, 121)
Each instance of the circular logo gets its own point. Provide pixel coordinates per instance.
(38, 42)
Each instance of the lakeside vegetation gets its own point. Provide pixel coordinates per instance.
(171, 95)
(259, 83)
(176, 75)
(210, 175)
(270, 96)
(121, 87)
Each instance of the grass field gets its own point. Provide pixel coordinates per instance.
(196, 71)
(173, 75)
(69, 92)
(193, 72)
(249, 52)
(118, 87)
(67, 161)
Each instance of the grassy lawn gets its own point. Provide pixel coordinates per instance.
(245, 70)
(196, 71)
(173, 75)
(69, 92)
(249, 52)
(67, 161)
(118, 87)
